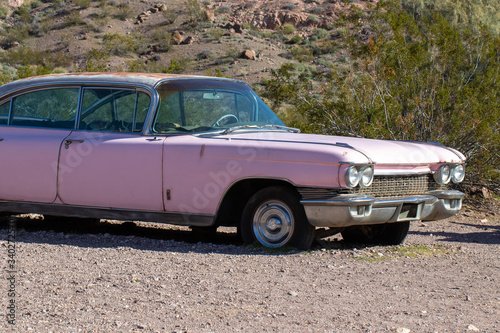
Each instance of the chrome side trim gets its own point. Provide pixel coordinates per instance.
(177, 218)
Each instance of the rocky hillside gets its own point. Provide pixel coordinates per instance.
(239, 39)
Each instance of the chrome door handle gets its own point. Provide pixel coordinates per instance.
(70, 141)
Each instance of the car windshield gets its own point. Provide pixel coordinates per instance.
(195, 106)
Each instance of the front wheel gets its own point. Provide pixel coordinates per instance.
(383, 234)
(275, 218)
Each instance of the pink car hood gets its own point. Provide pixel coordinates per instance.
(389, 152)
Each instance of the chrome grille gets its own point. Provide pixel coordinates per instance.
(382, 187)
(397, 186)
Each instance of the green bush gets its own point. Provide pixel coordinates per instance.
(313, 18)
(26, 56)
(4, 11)
(96, 61)
(82, 3)
(120, 45)
(195, 12)
(302, 54)
(36, 4)
(17, 33)
(460, 14)
(288, 29)
(73, 18)
(123, 12)
(23, 13)
(417, 79)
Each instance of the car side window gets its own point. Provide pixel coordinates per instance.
(55, 108)
(114, 110)
(4, 113)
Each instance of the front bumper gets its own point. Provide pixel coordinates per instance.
(350, 209)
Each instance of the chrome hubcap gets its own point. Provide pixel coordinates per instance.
(273, 223)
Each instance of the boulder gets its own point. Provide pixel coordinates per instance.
(249, 54)
(177, 37)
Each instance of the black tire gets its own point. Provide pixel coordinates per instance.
(275, 218)
(382, 234)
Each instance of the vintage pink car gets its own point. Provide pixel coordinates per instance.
(207, 152)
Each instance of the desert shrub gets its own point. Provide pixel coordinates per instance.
(82, 3)
(96, 61)
(318, 10)
(29, 71)
(36, 4)
(23, 13)
(123, 12)
(73, 18)
(119, 44)
(417, 79)
(224, 9)
(216, 33)
(57, 3)
(163, 39)
(288, 29)
(4, 11)
(459, 13)
(195, 12)
(302, 54)
(174, 66)
(313, 18)
(296, 39)
(26, 56)
(170, 16)
(16, 33)
(6, 73)
(206, 54)
(233, 53)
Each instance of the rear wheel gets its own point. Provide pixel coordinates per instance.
(275, 218)
(383, 234)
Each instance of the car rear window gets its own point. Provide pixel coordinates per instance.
(55, 108)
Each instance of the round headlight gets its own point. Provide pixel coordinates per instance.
(443, 175)
(366, 177)
(458, 173)
(352, 176)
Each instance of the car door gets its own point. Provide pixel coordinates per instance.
(32, 127)
(107, 162)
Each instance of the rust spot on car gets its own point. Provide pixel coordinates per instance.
(202, 151)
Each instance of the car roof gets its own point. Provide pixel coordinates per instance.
(147, 79)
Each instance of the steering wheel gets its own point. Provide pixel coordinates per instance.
(226, 116)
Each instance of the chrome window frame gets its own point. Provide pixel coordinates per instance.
(138, 87)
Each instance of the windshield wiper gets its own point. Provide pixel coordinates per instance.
(255, 127)
(280, 127)
(237, 128)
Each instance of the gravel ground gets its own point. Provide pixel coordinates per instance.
(137, 277)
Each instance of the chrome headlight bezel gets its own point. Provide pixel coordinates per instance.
(360, 174)
(458, 173)
(450, 173)
(443, 174)
(366, 175)
(352, 176)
